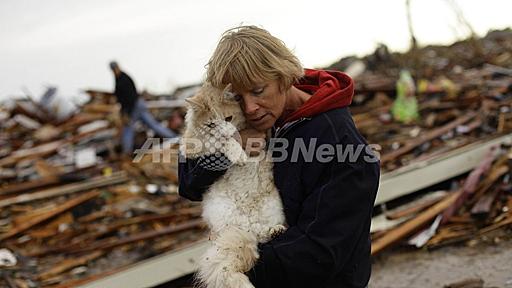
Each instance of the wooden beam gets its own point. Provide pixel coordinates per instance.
(45, 181)
(505, 222)
(412, 209)
(61, 208)
(108, 243)
(414, 224)
(19, 187)
(93, 183)
(70, 263)
(430, 135)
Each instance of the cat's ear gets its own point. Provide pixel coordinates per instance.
(195, 103)
(227, 93)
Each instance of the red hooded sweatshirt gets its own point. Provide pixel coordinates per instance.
(329, 90)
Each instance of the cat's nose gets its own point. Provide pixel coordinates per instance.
(229, 118)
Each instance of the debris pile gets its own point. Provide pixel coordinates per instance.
(479, 208)
(464, 94)
(71, 208)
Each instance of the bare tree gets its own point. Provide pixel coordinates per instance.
(414, 43)
(464, 22)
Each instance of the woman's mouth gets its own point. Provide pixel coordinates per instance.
(259, 118)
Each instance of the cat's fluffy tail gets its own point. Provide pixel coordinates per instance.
(223, 265)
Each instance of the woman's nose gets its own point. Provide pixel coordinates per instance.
(249, 106)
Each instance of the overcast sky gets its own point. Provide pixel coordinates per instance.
(163, 44)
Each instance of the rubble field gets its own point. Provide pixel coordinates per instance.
(73, 210)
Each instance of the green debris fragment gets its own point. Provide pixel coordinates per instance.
(405, 107)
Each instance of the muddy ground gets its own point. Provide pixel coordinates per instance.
(412, 268)
(407, 268)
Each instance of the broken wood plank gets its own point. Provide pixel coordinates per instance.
(116, 178)
(507, 221)
(470, 185)
(484, 204)
(100, 230)
(38, 151)
(486, 184)
(448, 235)
(406, 229)
(41, 183)
(70, 263)
(426, 137)
(61, 208)
(413, 208)
(468, 283)
(108, 243)
(19, 187)
(8, 280)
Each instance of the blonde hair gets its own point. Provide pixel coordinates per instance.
(248, 54)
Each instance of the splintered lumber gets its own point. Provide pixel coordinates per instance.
(93, 183)
(471, 183)
(414, 207)
(503, 223)
(68, 264)
(37, 151)
(108, 243)
(98, 231)
(490, 180)
(40, 183)
(194, 212)
(45, 149)
(10, 283)
(80, 281)
(414, 224)
(18, 187)
(467, 283)
(61, 208)
(484, 204)
(426, 137)
(447, 235)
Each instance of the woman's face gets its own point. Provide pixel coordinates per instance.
(262, 104)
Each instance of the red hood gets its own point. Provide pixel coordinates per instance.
(330, 90)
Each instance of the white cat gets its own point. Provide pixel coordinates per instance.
(243, 207)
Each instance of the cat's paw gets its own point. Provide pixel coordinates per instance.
(234, 152)
(276, 230)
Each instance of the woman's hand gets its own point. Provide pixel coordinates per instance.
(252, 141)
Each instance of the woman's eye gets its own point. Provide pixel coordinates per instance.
(257, 91)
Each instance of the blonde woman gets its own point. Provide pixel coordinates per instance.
(327, 193)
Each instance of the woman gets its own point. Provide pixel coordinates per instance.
(328, 197)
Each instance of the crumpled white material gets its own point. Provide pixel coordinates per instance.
(7, 259)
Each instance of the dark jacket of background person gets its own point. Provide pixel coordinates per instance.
(126, 93)
(328, 205)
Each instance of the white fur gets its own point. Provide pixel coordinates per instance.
(243, 207)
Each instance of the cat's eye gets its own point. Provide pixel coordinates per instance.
(228, 119)
(211, 125)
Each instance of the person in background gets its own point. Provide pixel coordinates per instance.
(133, 109)
(176, 121)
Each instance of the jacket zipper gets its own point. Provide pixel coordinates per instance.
(279, 132)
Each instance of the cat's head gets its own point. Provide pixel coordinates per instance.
(212, 106)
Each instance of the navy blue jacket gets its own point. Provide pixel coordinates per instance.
(328, 204)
